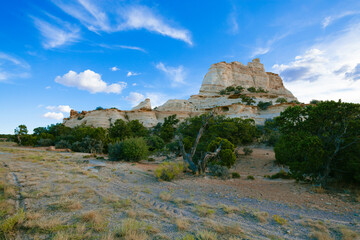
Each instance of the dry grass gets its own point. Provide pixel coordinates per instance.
(182, 224)
(229, 209)
(348, 234)
(319, 230)
(204, 210)
(46, 224)
(222, 229)
(131, 229)
(261, 216)
(165, 196)
(318, 189)
(206, 235)
(66, 204)
(96, 220)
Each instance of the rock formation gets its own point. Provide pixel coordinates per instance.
(220, 76)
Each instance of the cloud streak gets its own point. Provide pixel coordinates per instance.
(57, 34)
(175, 74)
(330, 19)
(101, 18)
(12, 67)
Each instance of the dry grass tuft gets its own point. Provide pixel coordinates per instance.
(222, 229)
(229, 209)
(165, 196)
(262, 216)
(319, 230)
(182, 224)
(95, 219)
(348, 234)
(131, 229)
(66, 204)
(206, 235)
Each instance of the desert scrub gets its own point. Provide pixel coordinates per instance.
(182, 224)
(235, 175)
(229, 209)
(66, 204)
(280, 220)
(165, 196)
(261, 216)
(206, 235)
(250, 177)
(169, 171)
(133, 229)
(247, 151)
(204, 211)
(95, 219)
(8, 225)
(281, 174)
(187, 236)
(219, 171)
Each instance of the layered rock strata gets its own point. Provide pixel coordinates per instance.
(220, 76)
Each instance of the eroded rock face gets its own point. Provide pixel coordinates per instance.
(220, 76)
(144, 105)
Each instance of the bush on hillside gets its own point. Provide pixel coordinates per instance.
(155, 143)
(169, 171)
(219, 171)
(134, 149)
(226, 156)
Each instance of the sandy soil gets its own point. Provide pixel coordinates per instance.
(67, 196)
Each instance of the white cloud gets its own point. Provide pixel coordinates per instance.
(129, 74)
(232, 21)
(140, 17)
(109, 18)
(135, 98)
(54, 115)
(123, 47)
(176, 74)
(114, 69)
(89, 81)
(47, 87)
(12, 67)
(59, 108)
(268, 45)
(157, 99)
(330, 19)
(328, 70)
(260, 51)
(134, 84)
(57, 35)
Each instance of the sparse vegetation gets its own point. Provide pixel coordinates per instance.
(247, 151)
(169, 171)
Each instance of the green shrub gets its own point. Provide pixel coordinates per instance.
(247, 151)
(226, 156)
(62, 144)
(315, 101)
(251, 89)
(250, 177)
(8, 225)
(155, 143)
(247, 100)
(230, 89)
(235, 175)
(115, 151)
(99, 108)
(281, 100)
(219, 171)
(264, 105)
(281, 174)
(169, 170)
(45, 142)
(222, 92)
(134, 149)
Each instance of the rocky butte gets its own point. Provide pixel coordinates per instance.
(248, 81)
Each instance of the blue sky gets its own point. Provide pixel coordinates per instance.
(57, 55)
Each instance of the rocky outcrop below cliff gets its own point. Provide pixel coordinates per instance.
(254, 82)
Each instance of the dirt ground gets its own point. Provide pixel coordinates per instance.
(73, 196)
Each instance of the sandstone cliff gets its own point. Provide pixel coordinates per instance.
(220, 76)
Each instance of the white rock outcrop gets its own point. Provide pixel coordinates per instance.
(220, 76)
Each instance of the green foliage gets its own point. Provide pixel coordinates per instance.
(235, 175)
(88, 145)
(321, 141)
(222, 92)
(264, 105)
(251, 89)
(99, 108)
(314, 101)
(119, 130)
(115, 151)
(235, 130)
(281, 174)
(20, 132)
(168, 128)
(281, 100)
(230, 89)
(62, 144)
(169, 170)
(155, 143)
(247, 100)
(227, 156)
(219, 171)
(269, 132)
(250, 177)
(137, 129)
(8, 225)
(134, 149)
(247, 151)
